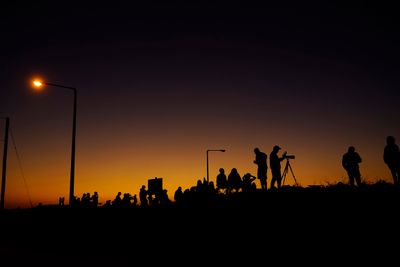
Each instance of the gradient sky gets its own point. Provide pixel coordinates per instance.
(158, 85)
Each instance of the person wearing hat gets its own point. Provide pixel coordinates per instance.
(275, 165)
(391, 156)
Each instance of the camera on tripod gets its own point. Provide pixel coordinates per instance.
(287, 168)
(286, 156)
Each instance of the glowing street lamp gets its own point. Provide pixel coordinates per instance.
(208, 150)
(38, 84)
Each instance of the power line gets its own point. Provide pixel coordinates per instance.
(20, 167)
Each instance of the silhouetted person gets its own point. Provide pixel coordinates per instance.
(126, 200)
(261, 161)
(211, 188)
(135, 200)
(247, 183)
(222, 182)
(391, 156)
(143, 196)
(350, 161)
(234, 180)
(95, 199)
(76, 201)
(163, 198)
(200, 186)
(107, 204)
(178, 196)
(85, 200)
(61, 201)
(151, 201)
(117, 200)
(275, 165)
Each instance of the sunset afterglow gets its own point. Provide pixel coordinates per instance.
(213, 132)
(155, 90)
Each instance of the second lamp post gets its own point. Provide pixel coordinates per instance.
(208, 150)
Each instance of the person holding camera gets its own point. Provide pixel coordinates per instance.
(247, 183)
(275, 165)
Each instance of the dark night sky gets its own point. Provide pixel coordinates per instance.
(160, 83)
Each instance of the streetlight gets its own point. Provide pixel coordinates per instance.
(38, 85)
(208, 150)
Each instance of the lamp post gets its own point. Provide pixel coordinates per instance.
(208, 150)
(38, 84)
(4, 172)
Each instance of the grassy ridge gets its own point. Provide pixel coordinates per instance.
(330, 220)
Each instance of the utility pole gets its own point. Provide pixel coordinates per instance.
(4, 173)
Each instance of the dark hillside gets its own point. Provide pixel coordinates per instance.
(292, 224)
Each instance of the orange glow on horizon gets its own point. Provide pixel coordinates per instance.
(131, 166)
(120, 147)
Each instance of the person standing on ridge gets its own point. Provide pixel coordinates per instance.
(391, 157)
(275, 165)
(262, 168)
(350, 161)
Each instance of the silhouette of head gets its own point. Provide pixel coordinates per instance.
(390, 139)
(352, 149)
(256, 150)
(221, 170)
(276, 148)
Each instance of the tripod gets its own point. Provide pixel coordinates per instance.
(285, 171)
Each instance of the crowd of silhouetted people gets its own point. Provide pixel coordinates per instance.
(233, 182)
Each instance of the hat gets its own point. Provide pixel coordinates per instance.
(276, 147)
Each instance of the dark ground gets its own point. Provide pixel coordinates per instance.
(317, 225)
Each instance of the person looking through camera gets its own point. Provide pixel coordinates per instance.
(275, 165)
